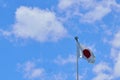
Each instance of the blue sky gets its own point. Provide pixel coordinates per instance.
(37, 39)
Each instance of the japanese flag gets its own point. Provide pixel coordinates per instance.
(85, 53)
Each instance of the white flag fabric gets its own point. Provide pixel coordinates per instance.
(79, 50)
(88, 55)
(85, 53)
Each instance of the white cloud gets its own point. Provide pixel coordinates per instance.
(89, 10)
(62, 61)
(103, 70)
(101, 67)
(37, 24)
(98, 10)
(102, 76)
(100, 70)
(5, 33)
(97, 14)
(115, 50)
(37, 73)
(117, 67)
(116, 41)
(30, 71)
(59, 76)
(64, 4)
(115, 53)
(28, 66)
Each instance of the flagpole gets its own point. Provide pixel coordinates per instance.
(77, 67)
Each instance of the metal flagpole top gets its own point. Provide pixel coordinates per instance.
(76, 38)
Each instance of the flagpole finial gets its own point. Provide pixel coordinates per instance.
(76, 38)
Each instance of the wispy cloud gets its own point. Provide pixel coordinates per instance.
(96, 14)
(103, 70)
(100, 70)
(117, 67)
(102, 76)
(101, 67)
(116, 41)
(93, 10)
(115, 52)
(64, 4)
(115, 45)
(63, 61)
(59, 76)
(30, 71)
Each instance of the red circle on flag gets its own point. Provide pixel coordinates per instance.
(86, 53)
